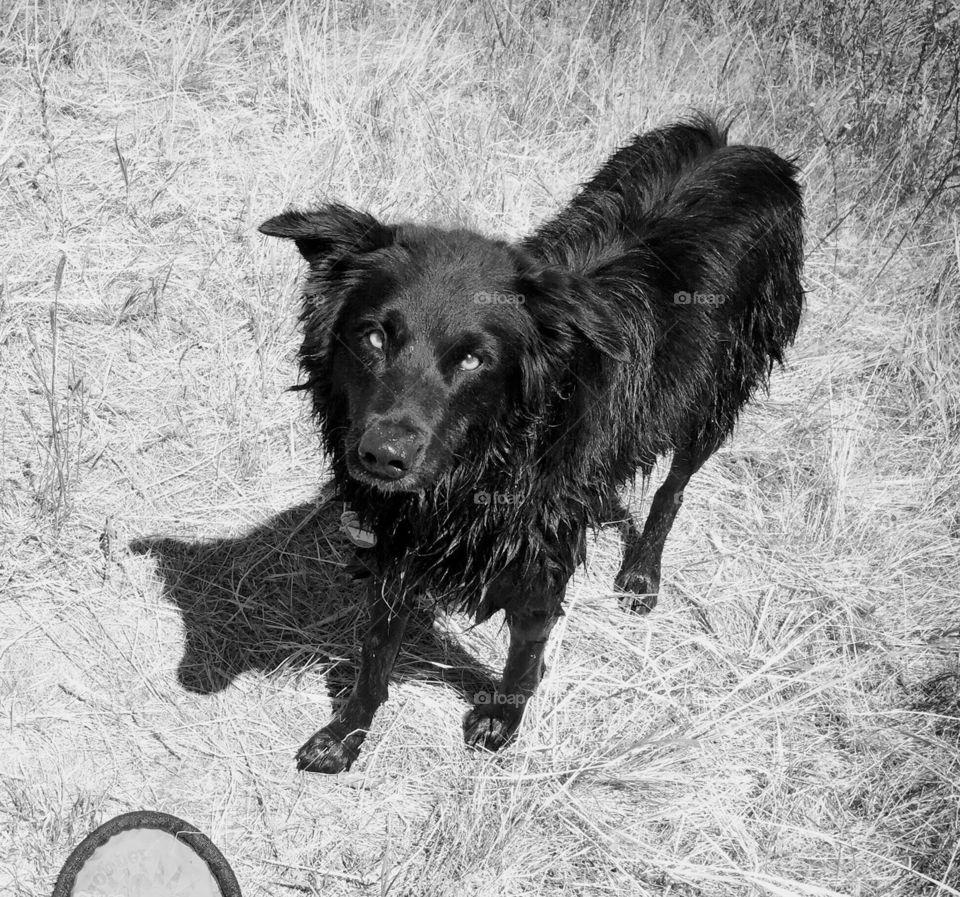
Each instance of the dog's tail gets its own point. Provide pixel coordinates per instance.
(645, 171)
(633, 184)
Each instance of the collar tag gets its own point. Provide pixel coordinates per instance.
(350, 527)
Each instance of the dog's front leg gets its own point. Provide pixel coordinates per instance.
(336, 745)
(531, 611)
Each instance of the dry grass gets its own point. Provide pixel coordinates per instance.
(174, 616)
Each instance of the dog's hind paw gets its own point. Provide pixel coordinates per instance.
(486, 732)
(324, 752)
(639, 591)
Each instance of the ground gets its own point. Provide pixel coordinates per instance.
(175, 616)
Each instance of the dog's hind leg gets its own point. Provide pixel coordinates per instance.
(618, 514)
(336, 745)
(639, 575)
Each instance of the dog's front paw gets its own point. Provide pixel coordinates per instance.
(489, 728)
(324, 752)
(640, 590)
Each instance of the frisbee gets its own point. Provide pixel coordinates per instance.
(146, 854)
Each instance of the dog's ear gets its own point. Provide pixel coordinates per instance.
(567, 312)
(337, 241)
(329, 234)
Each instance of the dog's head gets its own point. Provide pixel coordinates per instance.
(417, 341)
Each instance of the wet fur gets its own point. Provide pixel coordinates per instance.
(605, 367)
(625, 375)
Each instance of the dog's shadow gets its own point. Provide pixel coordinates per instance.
(281, 599)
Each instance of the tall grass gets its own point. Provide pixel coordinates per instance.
(60, 436)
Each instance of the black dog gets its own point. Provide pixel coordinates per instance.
(482, 401)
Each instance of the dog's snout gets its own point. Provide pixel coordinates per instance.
(391, 450)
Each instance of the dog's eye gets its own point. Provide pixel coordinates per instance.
(375, 338)
(470, 362)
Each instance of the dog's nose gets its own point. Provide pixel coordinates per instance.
(391, 450)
